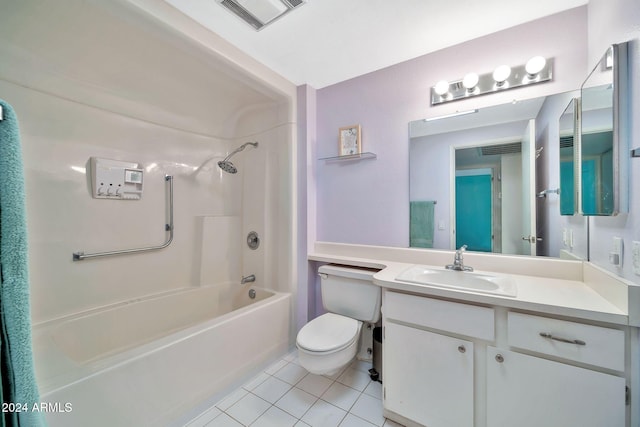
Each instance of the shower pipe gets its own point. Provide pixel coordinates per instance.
(79, 256)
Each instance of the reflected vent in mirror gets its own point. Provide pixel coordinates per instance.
(260, 13)
(566, 141)
(495, 150)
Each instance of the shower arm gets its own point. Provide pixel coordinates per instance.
(79, 256)
(239, 149)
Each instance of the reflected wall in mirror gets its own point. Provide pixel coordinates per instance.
(603, 139)
(569, 129)
(487, 159)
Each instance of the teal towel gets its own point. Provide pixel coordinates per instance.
(421, 224)
(18, 364)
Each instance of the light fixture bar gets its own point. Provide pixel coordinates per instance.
(503, 78)
(456, 114)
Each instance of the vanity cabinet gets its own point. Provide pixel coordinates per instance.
(429, 378)
(449, 363)
(528, 391)
(428, 360)
(554, 392)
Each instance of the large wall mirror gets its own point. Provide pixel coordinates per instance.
(473, 179)
(603, 139)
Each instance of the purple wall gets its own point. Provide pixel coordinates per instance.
(367, 201)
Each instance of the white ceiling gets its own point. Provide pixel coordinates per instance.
(328, 41)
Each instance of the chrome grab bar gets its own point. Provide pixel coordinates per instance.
(568, 341)
(79, 256)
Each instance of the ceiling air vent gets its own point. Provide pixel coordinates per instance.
(510, 148)
(260, 13)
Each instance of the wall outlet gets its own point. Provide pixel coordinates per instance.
(635, 255)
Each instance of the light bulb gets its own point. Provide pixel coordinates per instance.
(470, 81)
(535, 65)
(442, 87)
(501, 74)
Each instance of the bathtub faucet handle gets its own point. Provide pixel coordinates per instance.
(247, 279)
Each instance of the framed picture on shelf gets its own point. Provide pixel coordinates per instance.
(350, 140)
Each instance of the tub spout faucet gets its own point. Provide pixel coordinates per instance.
(458, 261)
(247, 279)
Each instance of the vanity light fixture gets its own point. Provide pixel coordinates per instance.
(534, 66)
(500, 75)
(442, 87)
(537, 70)
(470, 81)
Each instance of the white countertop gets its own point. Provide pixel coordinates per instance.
(565, 288)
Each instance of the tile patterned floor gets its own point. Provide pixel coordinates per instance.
(286, 395)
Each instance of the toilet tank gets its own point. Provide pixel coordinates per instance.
(350, 291)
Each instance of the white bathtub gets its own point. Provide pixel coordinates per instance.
(147, 362)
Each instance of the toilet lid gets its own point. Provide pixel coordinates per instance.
(328, 332)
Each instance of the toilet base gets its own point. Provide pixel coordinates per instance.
(327, 363)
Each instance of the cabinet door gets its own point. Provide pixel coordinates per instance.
(428, 378)
(528, 391)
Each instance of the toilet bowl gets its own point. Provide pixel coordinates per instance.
(327, 343)
(330, 341)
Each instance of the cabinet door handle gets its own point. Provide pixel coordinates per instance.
(462, 349)
(568, 341)
(499, 358)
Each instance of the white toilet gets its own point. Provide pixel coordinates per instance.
(329, 342)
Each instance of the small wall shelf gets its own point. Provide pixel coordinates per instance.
(359, 156)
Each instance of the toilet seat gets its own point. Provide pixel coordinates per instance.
(328, 333)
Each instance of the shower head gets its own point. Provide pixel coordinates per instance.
(229, 167)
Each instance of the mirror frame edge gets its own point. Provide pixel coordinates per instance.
(620, 124)
(620, 143)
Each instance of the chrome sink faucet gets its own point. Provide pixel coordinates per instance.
(458, 261)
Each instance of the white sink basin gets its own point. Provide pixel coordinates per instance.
(463, 280)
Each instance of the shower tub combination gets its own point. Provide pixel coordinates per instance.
(152, 360)
(156, 360)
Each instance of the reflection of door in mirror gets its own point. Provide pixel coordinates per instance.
(568, 128)
(494, 208)
(596, 141)
(529, 233)
(436, 149)
(604, 139)
(474, 208)
(597, 173)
